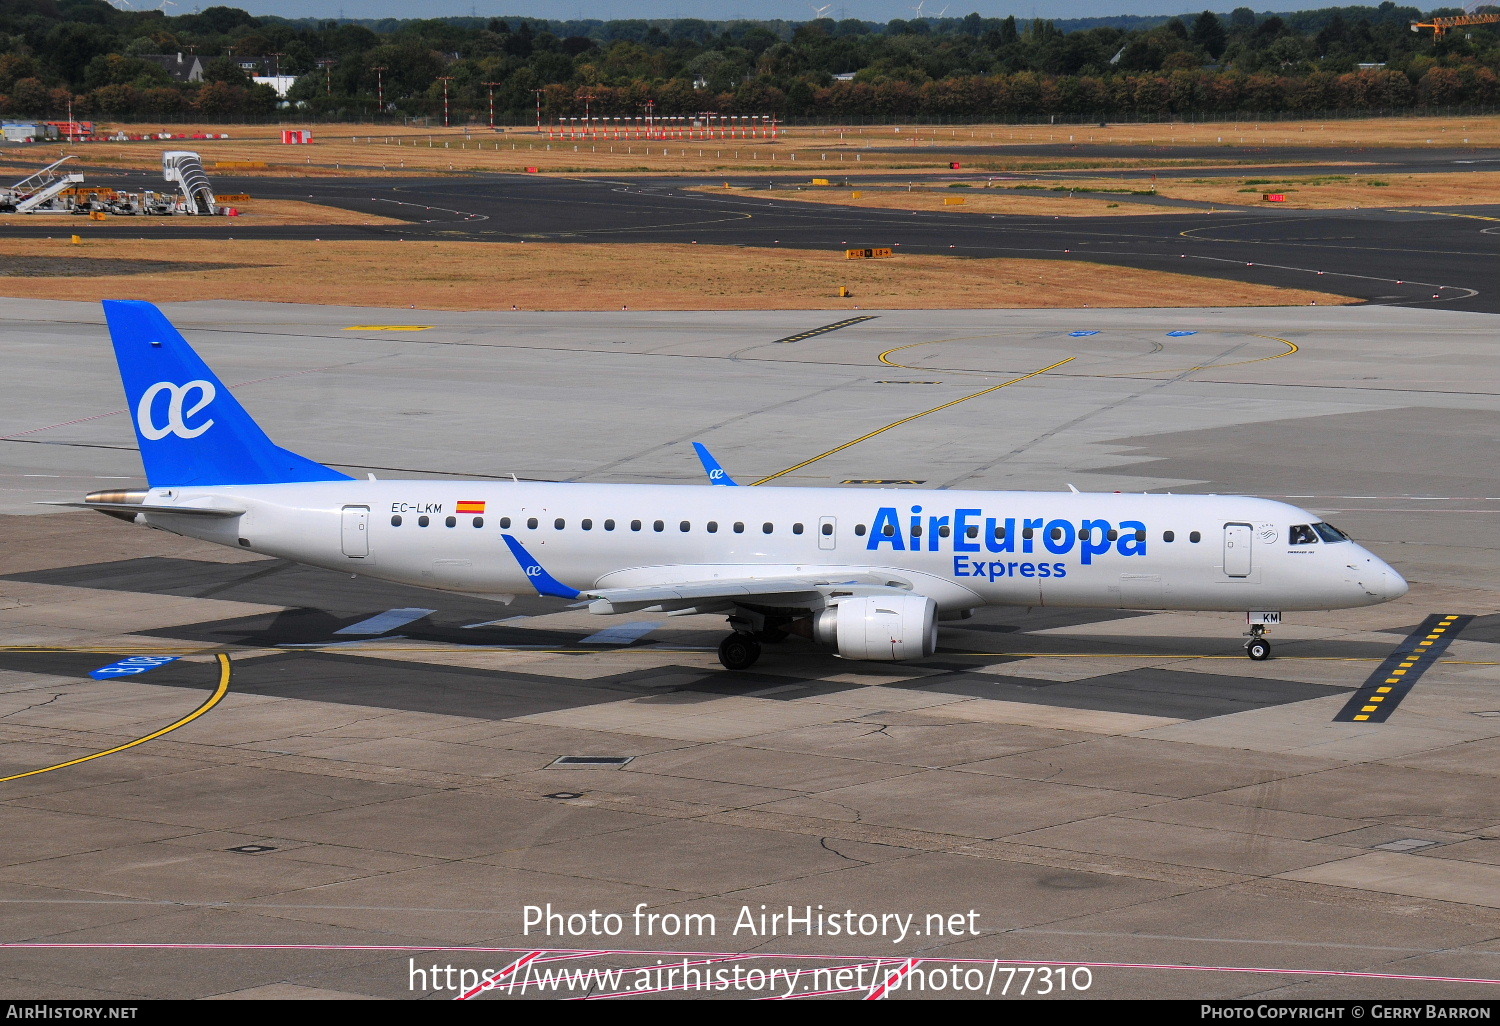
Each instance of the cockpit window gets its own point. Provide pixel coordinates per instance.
(1329, 533)
(1301, 534)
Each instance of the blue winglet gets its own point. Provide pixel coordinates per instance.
(716, 475)
(541, 580)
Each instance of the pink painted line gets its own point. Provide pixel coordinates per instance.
(494, 981)
(881, 989)
(727, 956)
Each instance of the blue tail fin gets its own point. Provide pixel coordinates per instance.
(191, 430)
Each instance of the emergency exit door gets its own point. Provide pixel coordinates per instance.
(827, 533)
(1237, 562)
(356, 531)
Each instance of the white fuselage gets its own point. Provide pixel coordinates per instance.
(963, 549)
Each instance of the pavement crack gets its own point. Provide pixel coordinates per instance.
(823, 842)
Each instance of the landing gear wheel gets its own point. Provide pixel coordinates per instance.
(739, 652)
(1258, 649)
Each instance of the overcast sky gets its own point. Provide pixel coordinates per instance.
(791, 10)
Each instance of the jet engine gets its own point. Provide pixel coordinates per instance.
(886, 627)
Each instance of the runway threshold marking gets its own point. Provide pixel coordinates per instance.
(908, 420)
(213, 700)
(825, 329)
(1394, 678)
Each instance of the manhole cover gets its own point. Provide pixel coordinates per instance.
(594, 761)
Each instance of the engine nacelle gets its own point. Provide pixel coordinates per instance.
(880, 627)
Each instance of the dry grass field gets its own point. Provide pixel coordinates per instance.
(543, 276)
(342, 149)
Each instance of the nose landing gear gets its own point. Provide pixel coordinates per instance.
(1258, 647)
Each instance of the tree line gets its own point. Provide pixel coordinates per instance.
(87, 56)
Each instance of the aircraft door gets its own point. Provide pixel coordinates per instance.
(356, 531)
(1237, 559)
(827, 532)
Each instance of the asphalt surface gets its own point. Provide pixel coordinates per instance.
(1436, 256)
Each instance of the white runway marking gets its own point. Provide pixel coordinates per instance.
(386, 621)
(622, 634)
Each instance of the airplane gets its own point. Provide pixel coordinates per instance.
(869, 573)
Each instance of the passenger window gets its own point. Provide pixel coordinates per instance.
(1195, 537)
(559, 524)
(479, 521)
(916, 532)
(972, 532)
(658, 526)
(1140, 536)
(451, 521)
(423, 521)
(1057, 533)
(1113, 534)
(796, 528)
(859, 530)
(505, 522)
(635, 525)
(1301, 534)
(609, 525)
(1026, 532)
(685, 527)
(828, 530)
(586, 524)
(713, 527)
(1167, 536)
(1329, 533)
(945, 531)
(889, 530)
(396, 520)
(1000, 534)
(766, 528)
(739, 528)
(531, 524)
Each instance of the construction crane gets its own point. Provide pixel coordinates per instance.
(1469, 17)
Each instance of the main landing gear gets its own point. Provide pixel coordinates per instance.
(1259, 646)
(739, 651)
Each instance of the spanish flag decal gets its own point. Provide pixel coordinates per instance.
(469, 506)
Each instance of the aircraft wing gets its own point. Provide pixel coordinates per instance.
(801, 591)
(810, 592)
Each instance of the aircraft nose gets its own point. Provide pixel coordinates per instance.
(1395, 584)
(1376, 579)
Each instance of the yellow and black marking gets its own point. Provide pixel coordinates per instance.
(1394, 678)
(879, 481)
(908, 382)
(825, 329)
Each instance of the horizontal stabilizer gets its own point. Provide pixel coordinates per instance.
(137, 507)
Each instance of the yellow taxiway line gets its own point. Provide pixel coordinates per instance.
(213, 700)
(908, 420)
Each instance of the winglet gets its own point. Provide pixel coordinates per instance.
(716, 474)
(541, 580)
